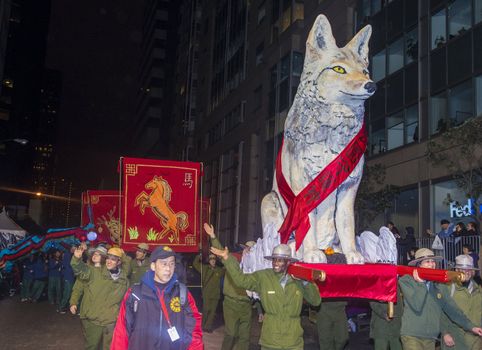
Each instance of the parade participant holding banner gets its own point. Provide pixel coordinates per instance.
(103, 294)
(424, 303)
(211, 289)
(237, 309)
(281, 296)
(159, 313)
(139, 265)
(468, 297)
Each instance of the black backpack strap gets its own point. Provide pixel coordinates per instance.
(182, 293)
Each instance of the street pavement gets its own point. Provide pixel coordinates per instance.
(37, 326)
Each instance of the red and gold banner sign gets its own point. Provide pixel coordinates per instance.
(160, 204)
(102, 207)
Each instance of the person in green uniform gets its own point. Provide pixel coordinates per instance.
(237, 308)
(281, 296)
(468, 298)
(103, 293)
(96, 258)
(211, 276)
(332, 325)
(331, 321)
(385, 331)
(424, 302)
(140, 264)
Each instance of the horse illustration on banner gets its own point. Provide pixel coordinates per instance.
(158, 200)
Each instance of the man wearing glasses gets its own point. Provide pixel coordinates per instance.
(159, 313)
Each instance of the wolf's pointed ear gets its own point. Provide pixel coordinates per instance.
(359, 43)
(320, 37)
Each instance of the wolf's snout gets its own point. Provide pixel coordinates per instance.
(370, 87)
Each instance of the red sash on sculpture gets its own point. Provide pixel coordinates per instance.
(322, 186)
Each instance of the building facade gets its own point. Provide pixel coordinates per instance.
(424, 57)
(251, 54)
(156, 72)
(426, 61)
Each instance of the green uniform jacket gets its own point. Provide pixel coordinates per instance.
(379, 326)
(282, 323)
(471, 305)
(77, 292)
(211, 279)
(102, 295)
(136, 271)
(423, 309)
(230, 290)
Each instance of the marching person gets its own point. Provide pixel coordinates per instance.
(28, 278)
(385, 331)
(139, 265)
(96, 258)
(468, 298)
(237, 309)
(159, 313)
(424, 303)
(55, 279)
(41, 274)
(68, 279)
(103, 293)
(281, 296)
(211, 289)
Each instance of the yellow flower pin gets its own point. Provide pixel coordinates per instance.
(175, 304)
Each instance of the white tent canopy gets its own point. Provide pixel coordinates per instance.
(7, 225)
(10, 232)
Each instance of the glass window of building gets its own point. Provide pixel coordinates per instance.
(460, 17)
(461, 106)
(395, 56)
(404, 211)
(411, 124)
(443, 193)
(438, 29)
(478, 11)
(297, 63)
(438, 113)
(395, 128)
(285, 67)
(411, 46)
(298, 10)
(377, 137)
(376, 6)
(379, 66)
(478, 94)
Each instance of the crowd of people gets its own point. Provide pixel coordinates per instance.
(142, 302)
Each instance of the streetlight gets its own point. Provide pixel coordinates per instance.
(23, 142)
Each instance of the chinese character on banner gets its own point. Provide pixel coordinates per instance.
(104, 213)
(160, 204)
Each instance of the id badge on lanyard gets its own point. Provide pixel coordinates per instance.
(172, 331)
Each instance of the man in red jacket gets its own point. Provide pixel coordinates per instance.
(160, 313)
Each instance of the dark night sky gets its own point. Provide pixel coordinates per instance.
(96, 46)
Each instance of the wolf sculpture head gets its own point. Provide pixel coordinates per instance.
(333, 74)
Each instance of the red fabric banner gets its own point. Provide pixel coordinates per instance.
(84, 214)
(160, 204)
(104, 208)
(300, 205)
(368, 281)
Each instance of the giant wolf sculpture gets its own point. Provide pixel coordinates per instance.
(327, 113)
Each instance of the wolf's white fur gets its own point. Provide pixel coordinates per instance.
(327, 113)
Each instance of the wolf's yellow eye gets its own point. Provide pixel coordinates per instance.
(339, 69)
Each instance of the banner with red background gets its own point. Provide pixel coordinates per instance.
(160, 204)
(104, 209)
